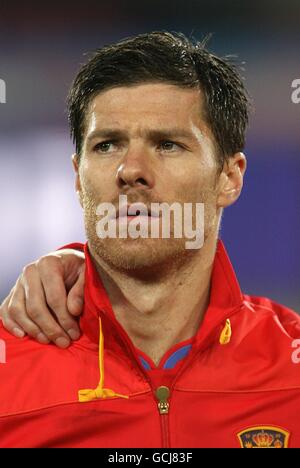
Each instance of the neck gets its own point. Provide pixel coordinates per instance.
(160, 310)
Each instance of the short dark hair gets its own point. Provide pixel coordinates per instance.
(170, 58)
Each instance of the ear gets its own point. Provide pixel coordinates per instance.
(231, 180)
(75, 161)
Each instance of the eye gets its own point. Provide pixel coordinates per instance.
(168, 145)
(104, 146)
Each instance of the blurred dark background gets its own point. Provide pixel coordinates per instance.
(41, 47)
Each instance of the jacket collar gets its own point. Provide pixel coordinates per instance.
(225, 297)
(225, 288)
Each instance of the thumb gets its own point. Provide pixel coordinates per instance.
(75, 298)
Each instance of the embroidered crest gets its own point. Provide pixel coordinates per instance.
(264, 437)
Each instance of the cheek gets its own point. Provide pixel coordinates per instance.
(197, 186)
(93, 186)
(194, 174)
(99, 179)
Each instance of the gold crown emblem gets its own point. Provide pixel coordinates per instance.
(263, 439)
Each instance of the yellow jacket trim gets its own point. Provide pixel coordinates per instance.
(99, 392)
(226, 333)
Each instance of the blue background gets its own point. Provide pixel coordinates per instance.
(41, 47)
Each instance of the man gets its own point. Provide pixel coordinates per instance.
(171, 353)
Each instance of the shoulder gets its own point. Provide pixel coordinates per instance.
(264, 310)
(266, 343)
(33, 375)
(263, 353)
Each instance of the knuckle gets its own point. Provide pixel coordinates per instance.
(66, 322)
(14, 310)
(31, 330)
(41, 262)
(47, 261)
(28, 269)
(54, 301)
(34, 311)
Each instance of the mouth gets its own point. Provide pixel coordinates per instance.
(135, 210)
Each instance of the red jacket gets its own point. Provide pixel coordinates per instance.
(238, 386)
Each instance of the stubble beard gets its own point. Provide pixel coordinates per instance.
(148, 255)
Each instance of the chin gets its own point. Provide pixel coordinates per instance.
(139, 254)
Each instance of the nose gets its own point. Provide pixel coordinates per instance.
(135, 171)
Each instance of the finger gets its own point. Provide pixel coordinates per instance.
(37, 309)
(76, 294)
(9, 324)
(52, 278)
(16, 313)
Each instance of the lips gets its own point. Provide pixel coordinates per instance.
(136, 209)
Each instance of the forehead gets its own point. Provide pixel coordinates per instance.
(154, 103)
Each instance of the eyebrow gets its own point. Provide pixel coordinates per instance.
(150, 134)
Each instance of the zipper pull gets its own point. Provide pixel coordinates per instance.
(162, 394)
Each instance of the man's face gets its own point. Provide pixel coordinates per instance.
(151, 143)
